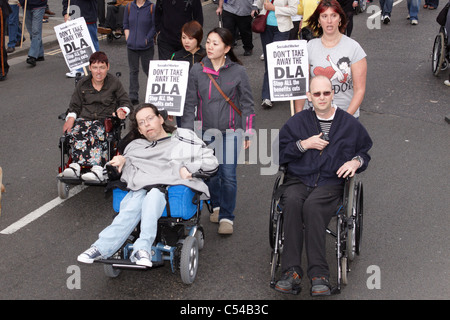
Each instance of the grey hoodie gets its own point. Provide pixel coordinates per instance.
(213, 111)
(159, 162)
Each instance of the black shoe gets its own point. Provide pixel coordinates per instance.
(40, 58)
(3, 78)
(289, 282)
(248, 52)
(32, 61)
(320, 286)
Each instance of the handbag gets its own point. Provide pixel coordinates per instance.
(259, 23)
(442, 16)
(239, 112)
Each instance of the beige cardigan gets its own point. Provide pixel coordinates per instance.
(284, 10)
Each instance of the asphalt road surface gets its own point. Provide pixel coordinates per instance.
(405, 253)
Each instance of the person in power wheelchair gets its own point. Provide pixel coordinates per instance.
(156, 157)
(320, 147)
(97, 96)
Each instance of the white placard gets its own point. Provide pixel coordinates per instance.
(75, 42)
(288, 70)
(167, 85)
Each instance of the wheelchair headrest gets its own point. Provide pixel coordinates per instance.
(163, 113)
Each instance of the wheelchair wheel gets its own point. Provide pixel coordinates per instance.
(110, 271)
(63, 190)
(189, 260)
(359, 217)
(438, 55)
(351, 217)
(341, 250)
(274, 208)
(278, 247)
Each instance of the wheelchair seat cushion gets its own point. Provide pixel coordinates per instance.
(180, 201)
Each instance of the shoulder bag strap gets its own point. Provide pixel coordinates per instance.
(223, 94)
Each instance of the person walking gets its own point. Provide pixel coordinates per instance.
(139, 29)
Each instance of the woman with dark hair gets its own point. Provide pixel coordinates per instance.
(191, 39)
(98, 96)
(156, 158)
(223, 120)
(336, 56)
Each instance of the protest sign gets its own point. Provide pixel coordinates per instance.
(288, 70)
(167, 85)
(75, 42)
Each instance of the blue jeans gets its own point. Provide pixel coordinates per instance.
(223, 186)
(136, 206)
(14, 31)
(271, 34)
(386, 7)
(413, 9)
(33, 21)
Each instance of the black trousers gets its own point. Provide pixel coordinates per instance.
(307, 213)
(4, 67)
(243, 24)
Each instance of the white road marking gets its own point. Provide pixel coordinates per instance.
(41, 211)
(378, 13)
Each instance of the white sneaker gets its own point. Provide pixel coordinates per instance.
(73, 171)
(90, 255)
(73, 74)
(142, 258)
(261, 57)
(266, 104)
(447, 82)
(414, 22)
(386, 19)
(95, 175)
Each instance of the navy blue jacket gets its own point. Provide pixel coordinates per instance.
(33, 3)
(141, 23)
(348, 138)
(88, 9)
(171, 15)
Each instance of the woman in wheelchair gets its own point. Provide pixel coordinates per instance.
(320, 147)
(156, 157)
(97, 96)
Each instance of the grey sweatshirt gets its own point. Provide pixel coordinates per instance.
(159, 162)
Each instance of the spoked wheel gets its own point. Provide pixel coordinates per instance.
(277, 248)
(350, 214)
(189, 260)
(359, 217)
(273, 209)
(438, 55)
(341, 254)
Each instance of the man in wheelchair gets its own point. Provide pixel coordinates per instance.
(320, 148)
(97, 96)
(157, 156)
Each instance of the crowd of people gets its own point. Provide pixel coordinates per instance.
(321, 145)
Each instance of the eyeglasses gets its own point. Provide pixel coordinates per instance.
(142, 123)
(325, 94)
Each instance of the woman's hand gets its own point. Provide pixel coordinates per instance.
(269, 6)
(68, 124)
(120, 114)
